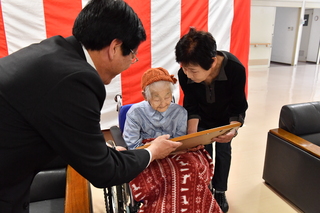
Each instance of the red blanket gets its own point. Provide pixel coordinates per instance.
(177, 183)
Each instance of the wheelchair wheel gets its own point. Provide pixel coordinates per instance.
(117, 199)
(110, 196)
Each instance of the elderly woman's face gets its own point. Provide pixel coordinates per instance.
(161, 97)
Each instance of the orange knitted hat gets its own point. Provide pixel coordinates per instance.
(156, 74)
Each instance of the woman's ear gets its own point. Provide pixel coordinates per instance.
(215, 61)
(144, 95)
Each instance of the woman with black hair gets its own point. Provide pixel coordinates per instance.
(213, 83)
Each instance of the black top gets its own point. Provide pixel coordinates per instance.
(222, 101)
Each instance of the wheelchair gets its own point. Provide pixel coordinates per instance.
(118, 199)
(124, 198)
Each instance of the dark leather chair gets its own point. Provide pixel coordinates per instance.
(47, 193)
(292, 159)
(59, 188)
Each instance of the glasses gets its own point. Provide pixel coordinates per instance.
(135, 58)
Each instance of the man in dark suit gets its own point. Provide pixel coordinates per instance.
(51, 94)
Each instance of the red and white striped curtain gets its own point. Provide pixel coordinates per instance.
(24, 22)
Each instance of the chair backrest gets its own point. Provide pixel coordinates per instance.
(47, 192)
(50, 182)
(59, 188)
(122, 115)
(301, 118)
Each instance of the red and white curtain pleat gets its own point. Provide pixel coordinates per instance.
(25, 22)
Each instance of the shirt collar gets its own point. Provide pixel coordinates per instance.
(88, 57)
(222, 74)
(154, 113)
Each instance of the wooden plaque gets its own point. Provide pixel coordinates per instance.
(201, 138)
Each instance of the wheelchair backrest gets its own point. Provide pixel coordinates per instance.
(122, 115)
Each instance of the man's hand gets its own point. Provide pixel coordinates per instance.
(161, 147)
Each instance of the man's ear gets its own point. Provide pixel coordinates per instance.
(144, 95)
(115, 48)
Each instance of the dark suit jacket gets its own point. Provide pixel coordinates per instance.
(50, 102)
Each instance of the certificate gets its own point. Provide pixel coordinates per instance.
(200, 138)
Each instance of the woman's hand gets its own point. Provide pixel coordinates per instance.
(120, 148)
(225, 138)
(112, 145)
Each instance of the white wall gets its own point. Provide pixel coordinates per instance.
(261, 25)
(306, 29)
(285, 33)
(287, 3)
(284, 49)
(314, 40)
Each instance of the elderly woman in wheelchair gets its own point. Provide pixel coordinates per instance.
(179, 182)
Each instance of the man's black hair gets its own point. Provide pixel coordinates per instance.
(102, 21)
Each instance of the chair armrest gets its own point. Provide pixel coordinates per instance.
(78, 196)
(117, 136)
(297, 141)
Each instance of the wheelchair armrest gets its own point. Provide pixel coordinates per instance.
(117, 136)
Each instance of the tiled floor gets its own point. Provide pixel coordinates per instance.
(268, 90)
